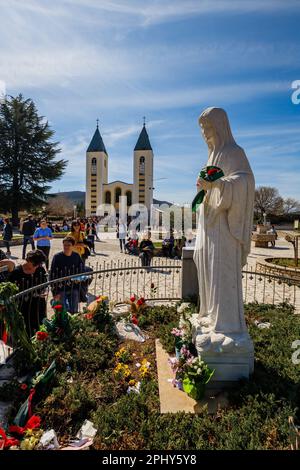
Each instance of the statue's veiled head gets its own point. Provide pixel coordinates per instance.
(215, 128)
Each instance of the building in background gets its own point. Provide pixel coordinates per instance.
(100, 191)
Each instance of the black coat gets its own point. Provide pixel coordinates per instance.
(7, 232)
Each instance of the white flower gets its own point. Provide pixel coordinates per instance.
(184, 306)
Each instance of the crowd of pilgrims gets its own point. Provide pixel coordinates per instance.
(70, 263)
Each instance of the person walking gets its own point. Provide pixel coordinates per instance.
(28, 230)
(43, 236)
(90, 232)
(7, 234)
(80, 246)
(122, 232)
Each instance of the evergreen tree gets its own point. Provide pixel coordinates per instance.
(27, 156)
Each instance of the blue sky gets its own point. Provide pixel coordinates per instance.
(166, 60)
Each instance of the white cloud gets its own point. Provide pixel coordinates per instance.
(156, 11)
(183, 97)
(2, 89)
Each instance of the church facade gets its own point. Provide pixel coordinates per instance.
(100, 191)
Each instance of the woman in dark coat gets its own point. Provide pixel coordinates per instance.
(7, 234)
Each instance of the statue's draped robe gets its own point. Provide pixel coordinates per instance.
(223, 241)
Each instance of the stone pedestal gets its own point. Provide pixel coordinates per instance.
(230, 355)
(189, 278)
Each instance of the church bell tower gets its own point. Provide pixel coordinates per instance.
(143, 171)
(96, 173)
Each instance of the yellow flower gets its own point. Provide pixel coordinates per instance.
(132, 383)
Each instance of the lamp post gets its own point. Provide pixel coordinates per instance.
(75, 208)
(265, 218)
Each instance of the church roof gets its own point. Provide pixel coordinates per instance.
(143, 142)
(96, 144)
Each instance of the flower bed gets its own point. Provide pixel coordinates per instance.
(114, 385)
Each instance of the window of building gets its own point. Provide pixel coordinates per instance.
(108, 197)
(142, 166)
(118, 193)
(94, 166)
(129, 198)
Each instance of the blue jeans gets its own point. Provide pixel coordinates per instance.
(70, 299)
(27, 238)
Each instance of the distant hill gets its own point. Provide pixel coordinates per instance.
(74, 196)
(79, 196)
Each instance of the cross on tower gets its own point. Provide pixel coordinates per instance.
(97, 120)
(144, 120)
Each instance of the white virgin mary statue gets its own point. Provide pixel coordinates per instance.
(223, 239)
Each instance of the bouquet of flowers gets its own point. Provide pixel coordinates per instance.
(59, 325)
(136, 307)
(98, 312)
(210, 174)
(183, 335)
(196, 375)
(191, 374)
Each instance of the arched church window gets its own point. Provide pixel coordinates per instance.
(107, 197)
(142, 166)
(94, 166)
(117, 194)
(129, 198)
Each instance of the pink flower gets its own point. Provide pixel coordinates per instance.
(176, 332)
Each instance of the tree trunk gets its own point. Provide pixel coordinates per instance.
(15, 217)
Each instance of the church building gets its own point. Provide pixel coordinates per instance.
(100, 191)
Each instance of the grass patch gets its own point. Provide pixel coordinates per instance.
(284, 262)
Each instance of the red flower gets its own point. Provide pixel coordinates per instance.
(4, 335)
(8, 442)
(134, 320)
(33, 423)
(212, 171)
(23, 387)
(41, 335)
(132, 298)
(58, 307)
(88, 316)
